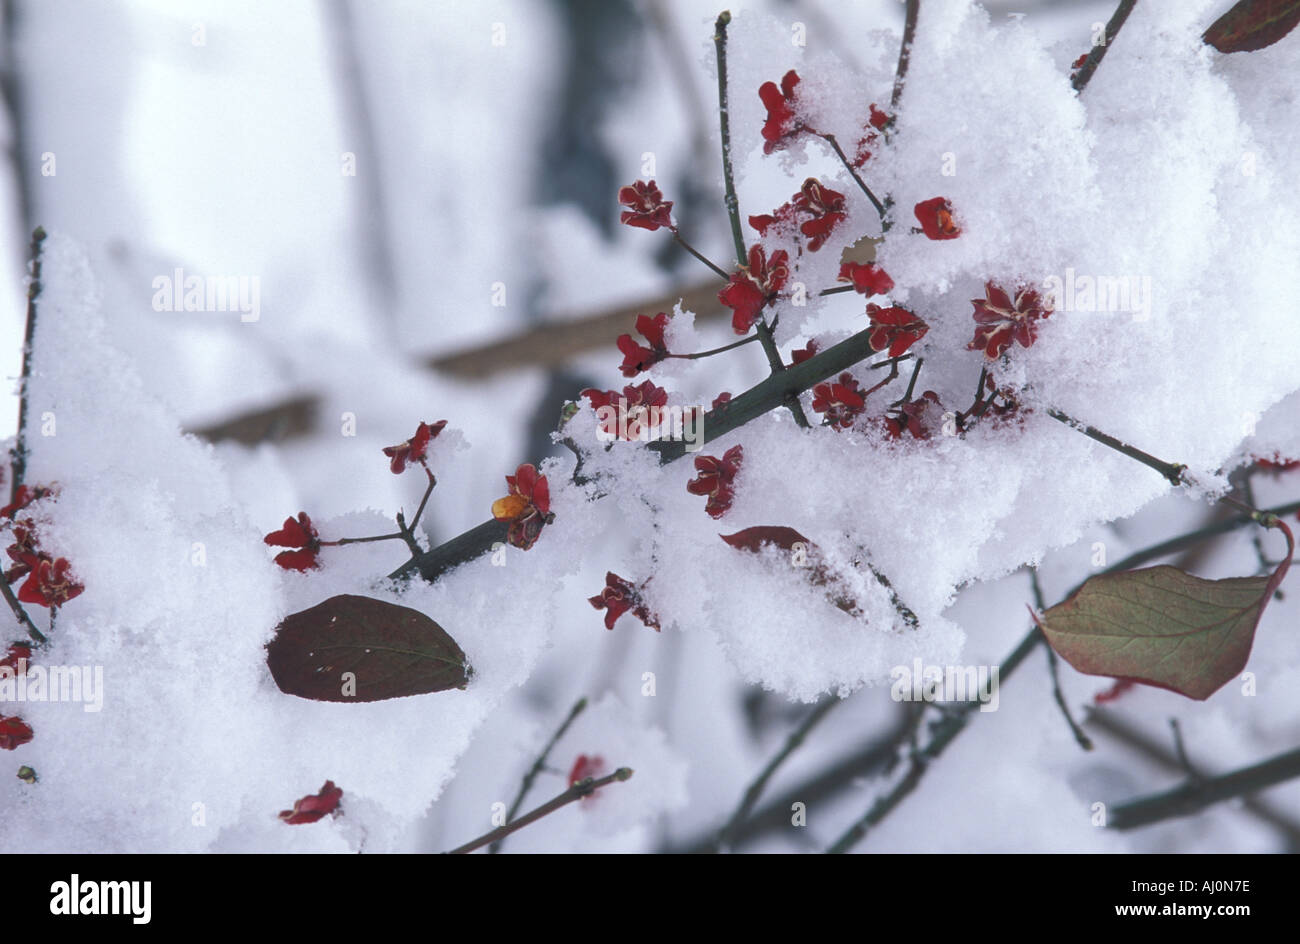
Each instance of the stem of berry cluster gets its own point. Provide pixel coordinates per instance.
(582, 788)
(761, 327)
(862, 184)
(717, 350)
(681, 241)
(405, 532)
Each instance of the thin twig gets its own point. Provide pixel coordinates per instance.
(724, 121)
(19, 454)
(579, 790)
(1112, 725)
(1053, 669)
(904, 52)
(1084, 75)
(791, 402)
(1180, 751)
(728, 832)
(717, 350)
(1171, 471)
(681, 241)
(862, 184)
(538, 766)
(1195, 795)
(20, 613)
(954, 719)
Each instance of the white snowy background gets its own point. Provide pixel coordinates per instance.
(491, 141)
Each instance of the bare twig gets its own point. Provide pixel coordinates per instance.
(954, 719)
(579, 790)
(904, 52)
(1083, 740)
(19, 454)
(862, 184)
(1111, 724)
(681, 241)
(1084, 75)
(538, 766)
(1197, 794)
(755, 790)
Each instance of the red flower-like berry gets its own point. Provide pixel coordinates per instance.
(23, 551)
(824, 207)
(936, 220)
(617, 598)
(17, 653)
(640, 405)
(877, 122)
(803, 353)
(915, 417)
(586, 766)
(297, 533)
(716, 478)
(527, 507)
(415, 449)
(754, 286)
(1001, 318)
(841, 401)
(646, 205)
(637, 357)
(25, 495)
(315, 806)
(894, 328)
(782, 124)
(50, 583)
(867, 278)
(14, 733)
(721, 400)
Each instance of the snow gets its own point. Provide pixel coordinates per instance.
(1171, 170)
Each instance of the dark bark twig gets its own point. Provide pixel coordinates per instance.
(1197, 794)
(538, 766)
(727, 834)
(904, 52)
(582, 788)
(20, 452)
(1085, 73)
(1053, 669)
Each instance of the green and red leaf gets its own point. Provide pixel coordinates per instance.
(1163, 626)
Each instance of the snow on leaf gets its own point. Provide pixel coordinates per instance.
(1163, 626)
(1253, 24)
(353, 648)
